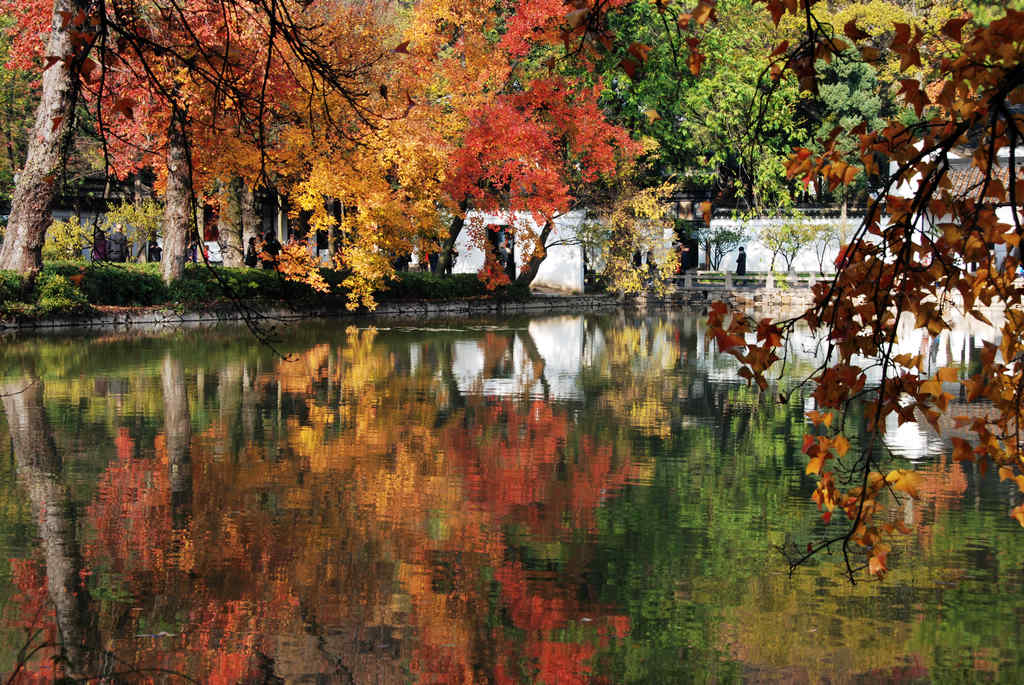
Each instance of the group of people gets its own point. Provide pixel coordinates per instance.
(262, 251)
(110, 249)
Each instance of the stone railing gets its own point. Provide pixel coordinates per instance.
(719, 280)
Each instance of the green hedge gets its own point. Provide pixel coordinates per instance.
(72, 287)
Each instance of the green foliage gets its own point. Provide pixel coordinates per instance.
(787, 238)
(849, 94)
(56, 294)
(12, 286)
(716, 130)
(411, 285)
(65, 239)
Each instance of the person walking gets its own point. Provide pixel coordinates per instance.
(741, 262)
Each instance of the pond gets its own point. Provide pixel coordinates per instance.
(566, 499)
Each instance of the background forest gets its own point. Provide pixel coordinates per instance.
(383, 124)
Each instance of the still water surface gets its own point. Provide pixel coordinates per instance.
(573, 499)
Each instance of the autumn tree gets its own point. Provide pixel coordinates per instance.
(16, 105)
(171, 81)
(633, 226)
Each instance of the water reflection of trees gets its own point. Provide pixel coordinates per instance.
(527, 503)
(369, 518)
(39, 469)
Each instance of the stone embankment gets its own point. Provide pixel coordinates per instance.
(111, 318)
(776, 300)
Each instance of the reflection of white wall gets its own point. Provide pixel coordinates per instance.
(912, 440)
(559, 341)
(562, 268)
(594, 346)
(415, 356)
(467, 363)
(468, 369)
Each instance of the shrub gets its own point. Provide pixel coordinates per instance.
(199, 284)
(65, 287)
(425, 285)
(138, 285)
(12, 287)
(56, 294)
(65, 240)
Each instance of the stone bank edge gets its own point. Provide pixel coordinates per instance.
(171, 318)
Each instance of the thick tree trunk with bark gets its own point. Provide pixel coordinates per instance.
(177, 201)
(532, 266)
(229, 223)
(37, 183)
(39, 469)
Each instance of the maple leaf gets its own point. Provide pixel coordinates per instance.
(852, 32)
(902, 480)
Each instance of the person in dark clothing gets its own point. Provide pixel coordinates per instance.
(252, 252)
(271, 248)
(118, 245)
(154, 250)
(741, 262)
(99, 245)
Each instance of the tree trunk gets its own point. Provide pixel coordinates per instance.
(332, 236)
(39, 469)
(843, 226)
(229, 223)
(447, 260)
(177, 200)
(37, 183)
(531, 268)
(252, 224)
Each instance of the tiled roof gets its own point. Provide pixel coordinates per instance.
(968, 180)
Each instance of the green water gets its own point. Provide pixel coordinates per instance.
(554, 500)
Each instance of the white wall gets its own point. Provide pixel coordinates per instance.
(759, 257)
(561, 270)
